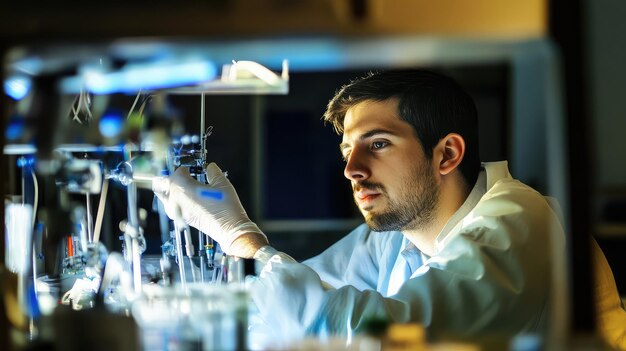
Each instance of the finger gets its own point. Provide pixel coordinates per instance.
(214, 174)
(161, 186)
(182, 179)
(181, 174)
(183, 171)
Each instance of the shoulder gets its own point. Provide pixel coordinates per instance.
(511, 213)
(510, 196)
(506, 195)
(508, 210)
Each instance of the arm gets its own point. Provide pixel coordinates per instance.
(358, 259)
(248, 244)
(492, 275)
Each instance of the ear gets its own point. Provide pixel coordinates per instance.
(451, 149)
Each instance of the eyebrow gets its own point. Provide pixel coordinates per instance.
(366, 135)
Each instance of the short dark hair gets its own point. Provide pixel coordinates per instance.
(435, 105)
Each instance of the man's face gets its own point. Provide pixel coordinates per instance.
(393, 182)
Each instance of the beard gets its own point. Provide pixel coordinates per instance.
(414, 206)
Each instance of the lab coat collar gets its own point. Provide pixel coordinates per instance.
(491, 173)
(496, 171)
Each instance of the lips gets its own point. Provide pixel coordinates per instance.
(364, 194)
(365, 197)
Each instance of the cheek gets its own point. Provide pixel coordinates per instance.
(417, 174)
(396, 182)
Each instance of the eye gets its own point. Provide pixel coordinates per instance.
(345, 156)
(376, 145)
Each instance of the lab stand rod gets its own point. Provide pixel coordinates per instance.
(133, 225)
(189, 251)
(201, 256)
(100, 214)
(202, 131)
(179, 252)
(89, 219)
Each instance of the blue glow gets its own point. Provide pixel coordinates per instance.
(317, 57)
(111, 124)
(33, 304)
(142, 77)
(17, 87)
(15, 129)
(25, 161)
(211, 194)
(31, 66)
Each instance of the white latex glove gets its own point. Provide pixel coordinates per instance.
(212, 208)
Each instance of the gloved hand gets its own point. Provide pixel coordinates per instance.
(212, 208)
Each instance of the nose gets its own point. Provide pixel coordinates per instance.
(356, 166)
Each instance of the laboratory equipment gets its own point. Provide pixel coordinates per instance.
(199, 316)
(93, 171)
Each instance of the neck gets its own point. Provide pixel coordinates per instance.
(453, 192)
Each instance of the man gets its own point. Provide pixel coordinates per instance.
(460, 248)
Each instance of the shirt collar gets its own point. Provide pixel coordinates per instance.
(412, 255)
(479, 189)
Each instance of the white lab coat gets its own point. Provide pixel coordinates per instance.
(491, 272)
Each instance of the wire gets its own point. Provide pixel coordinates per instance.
(34, 219)
(36, 198)
(84, 105)
(144, 103)
(82, 102)
(73, 111)
(132, 108)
